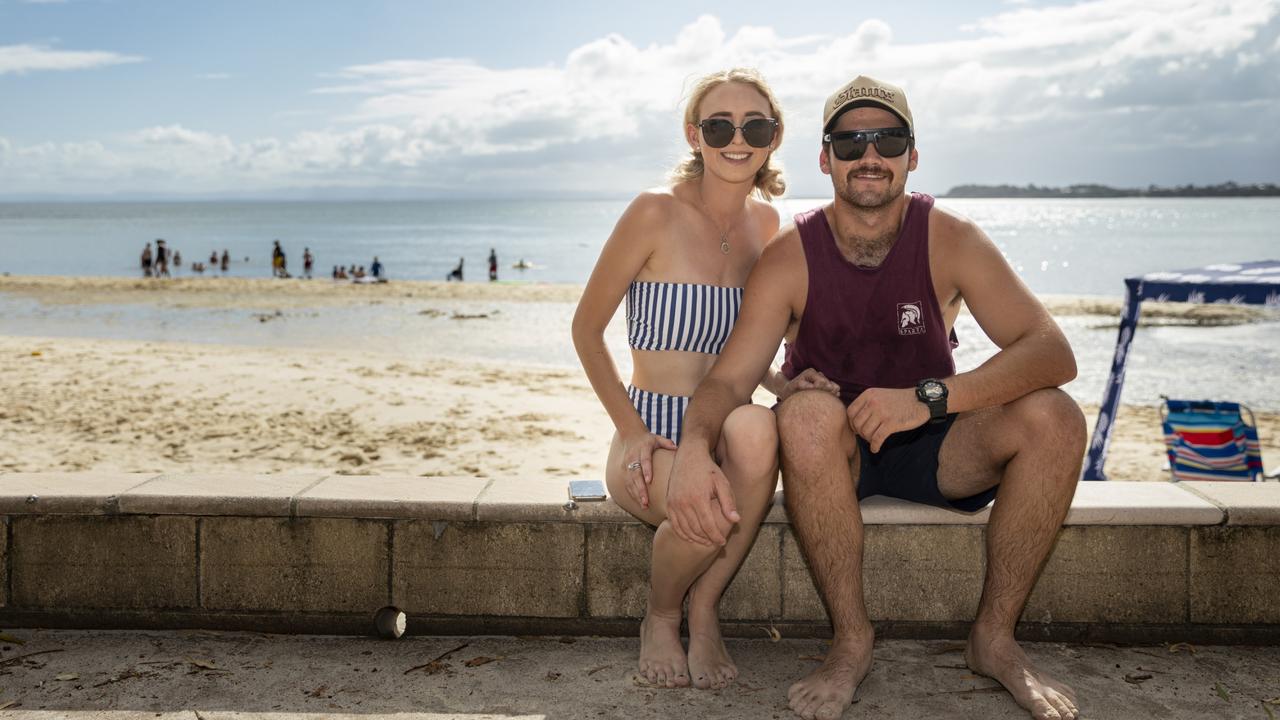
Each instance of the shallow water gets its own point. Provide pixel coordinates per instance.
(1076, 247)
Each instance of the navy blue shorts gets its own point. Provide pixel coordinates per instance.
(907, 468)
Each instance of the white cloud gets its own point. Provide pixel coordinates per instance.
(22, 59)
(1119, 78)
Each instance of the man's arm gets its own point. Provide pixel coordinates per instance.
(1033, 354)
(769, 302)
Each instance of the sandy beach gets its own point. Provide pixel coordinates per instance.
(86, 403)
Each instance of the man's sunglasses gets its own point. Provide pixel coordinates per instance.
(718, 132)
(852, 144)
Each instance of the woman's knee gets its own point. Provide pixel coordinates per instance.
(751, 432)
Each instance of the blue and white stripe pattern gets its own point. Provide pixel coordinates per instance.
(681, 316)
(662, 414)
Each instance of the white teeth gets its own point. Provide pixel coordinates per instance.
(737, 156)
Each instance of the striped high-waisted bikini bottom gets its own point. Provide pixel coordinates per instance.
(662, 414)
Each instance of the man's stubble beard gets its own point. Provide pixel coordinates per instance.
(869, 199)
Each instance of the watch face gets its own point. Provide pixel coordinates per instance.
(932, 390)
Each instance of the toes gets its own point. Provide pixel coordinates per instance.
(1041, 709)
(680, 678)
(830, 711)
(1066, 709)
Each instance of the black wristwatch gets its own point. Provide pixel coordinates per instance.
(933, 393)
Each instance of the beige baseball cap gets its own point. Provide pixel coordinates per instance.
(862, 91)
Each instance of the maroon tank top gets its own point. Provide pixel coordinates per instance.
(871, 327)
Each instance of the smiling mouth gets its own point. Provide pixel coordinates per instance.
(736, 156)
(869, 175)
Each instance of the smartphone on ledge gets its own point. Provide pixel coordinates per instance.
(586, 490)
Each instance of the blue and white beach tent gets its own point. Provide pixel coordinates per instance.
(1252, 283)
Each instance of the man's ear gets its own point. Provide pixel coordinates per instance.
(824, 160)
(915, 159)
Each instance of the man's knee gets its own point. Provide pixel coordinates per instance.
(1050, 417)
(810, 416)
(751, 436)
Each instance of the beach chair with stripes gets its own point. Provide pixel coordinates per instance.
(1209, 440)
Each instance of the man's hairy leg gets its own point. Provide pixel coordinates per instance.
(818, 483)
(1033, 447)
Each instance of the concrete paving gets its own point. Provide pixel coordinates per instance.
(202, 675)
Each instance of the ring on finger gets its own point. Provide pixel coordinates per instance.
(633, 465)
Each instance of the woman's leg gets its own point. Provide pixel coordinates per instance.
(674, 566)
(748, 455)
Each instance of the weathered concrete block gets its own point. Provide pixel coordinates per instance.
(1114, 575)
(103, 562)
(800, 600)
(301, 564)
(4, 561)
(756, 591)
(910, 573)
(923, 572)
(618, 556)
(517, 569)
(1235, 574)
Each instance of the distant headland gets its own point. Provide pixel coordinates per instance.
(1227, 189)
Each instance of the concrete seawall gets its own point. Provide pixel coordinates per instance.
(1136, 562)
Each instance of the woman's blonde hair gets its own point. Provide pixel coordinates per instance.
(768, 182)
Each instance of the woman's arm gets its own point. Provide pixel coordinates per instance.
(624, 255)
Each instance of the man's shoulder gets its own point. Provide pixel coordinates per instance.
(947, 221)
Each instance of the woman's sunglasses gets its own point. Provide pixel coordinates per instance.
(852, 144)
(718, 132)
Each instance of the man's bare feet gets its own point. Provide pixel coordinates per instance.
(1000, 658)
(709, 663)
(827, 691)
(662, 659)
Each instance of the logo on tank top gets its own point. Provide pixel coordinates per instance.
(910, 319)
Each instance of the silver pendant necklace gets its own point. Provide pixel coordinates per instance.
(724, 234)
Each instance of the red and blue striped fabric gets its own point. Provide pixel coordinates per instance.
(1211, 441)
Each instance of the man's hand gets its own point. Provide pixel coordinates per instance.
(880, 412)
(810, 379)
(700, 502)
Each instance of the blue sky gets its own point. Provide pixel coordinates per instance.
(367, 99)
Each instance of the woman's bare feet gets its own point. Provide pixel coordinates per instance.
(662, 658)
(999, 657)
(827, 691)
(709, 663)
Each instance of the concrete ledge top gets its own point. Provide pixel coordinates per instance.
(546, 499)
(1245, 503)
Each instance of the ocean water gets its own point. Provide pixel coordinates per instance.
(1082, 247)
(1058, 246)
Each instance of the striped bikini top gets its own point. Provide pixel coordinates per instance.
(681, 316)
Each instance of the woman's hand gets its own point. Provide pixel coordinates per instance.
(810, 379)
(637, 461)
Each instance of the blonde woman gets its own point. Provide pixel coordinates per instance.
(680, 256)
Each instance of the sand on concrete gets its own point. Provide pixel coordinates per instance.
(202, 675)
